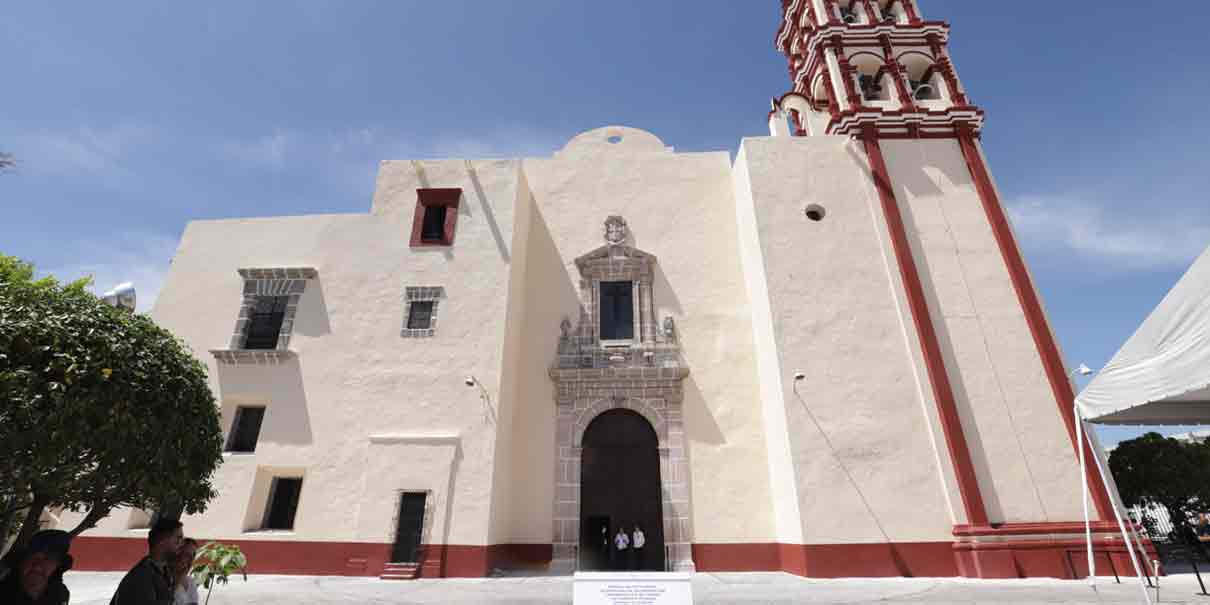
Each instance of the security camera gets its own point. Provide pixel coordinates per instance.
(799, 376)
(470, 381)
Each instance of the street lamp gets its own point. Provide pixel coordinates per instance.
(1083, 370)
(489, 411)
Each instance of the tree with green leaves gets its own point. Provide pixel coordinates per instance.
(99, 408)
(1154, 470)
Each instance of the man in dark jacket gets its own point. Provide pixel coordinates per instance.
(34, 575)
(149, 582)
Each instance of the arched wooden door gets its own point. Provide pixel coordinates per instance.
(620, 488)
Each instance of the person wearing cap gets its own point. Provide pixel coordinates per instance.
(149, 582)
(35, 572)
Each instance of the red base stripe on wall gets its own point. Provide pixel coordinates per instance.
(1002, 559)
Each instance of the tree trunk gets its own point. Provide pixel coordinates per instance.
(12, 506)
(96, 513)
(32, 518)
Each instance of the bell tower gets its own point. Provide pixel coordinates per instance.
(869, 64)
(877, 236)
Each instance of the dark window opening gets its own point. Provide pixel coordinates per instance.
(433, 230)
(245, 429)
(436, 216)
(410, 529)
(617, 310)
(420, 316)
(283, 503)
(264, 325)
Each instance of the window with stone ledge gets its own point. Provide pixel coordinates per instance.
(420, 311)
(435, 217)
(265, 321)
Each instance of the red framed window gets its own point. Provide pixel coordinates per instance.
(435, 217)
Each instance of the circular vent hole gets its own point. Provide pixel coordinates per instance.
(815, 212)
(615, 139)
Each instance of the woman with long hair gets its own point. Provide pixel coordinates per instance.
(184, 591)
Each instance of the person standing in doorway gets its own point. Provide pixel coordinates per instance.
(621, 544)
(603, 547)
(636, 550)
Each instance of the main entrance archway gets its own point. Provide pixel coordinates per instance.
(620, 489)
(625, 380)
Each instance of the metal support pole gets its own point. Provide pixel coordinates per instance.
(1092, 564)
(1117, 513)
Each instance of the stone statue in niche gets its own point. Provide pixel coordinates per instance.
(615, 230)
(565, 329)
(669, 329)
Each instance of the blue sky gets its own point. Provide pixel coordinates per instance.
(132, 118)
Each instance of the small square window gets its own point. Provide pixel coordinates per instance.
(265, 321)
(420, 317)
(283, 503)
(245, 429)
(435, 217)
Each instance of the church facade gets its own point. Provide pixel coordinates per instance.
(825, 357)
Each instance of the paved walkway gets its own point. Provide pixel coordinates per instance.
(712, 588)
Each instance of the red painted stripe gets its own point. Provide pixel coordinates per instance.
(943, 393)
(1056, 373)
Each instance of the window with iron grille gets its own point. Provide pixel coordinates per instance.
(420, 311)
(264, 322)
(420, 317)
(245, 429)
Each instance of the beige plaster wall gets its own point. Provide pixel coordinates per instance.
(680, 208)
(865, 467)
(361, 377)
(1021, 451)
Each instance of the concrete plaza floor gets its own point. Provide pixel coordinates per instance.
(713, 588)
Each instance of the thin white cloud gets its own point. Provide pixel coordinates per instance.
(1126, 239)
(268, 151)
(84, 150)
(141, 258)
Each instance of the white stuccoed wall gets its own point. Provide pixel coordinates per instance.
(1022, 453)
(758, 292)
(834, 316)
(361, 377)
(679, 207)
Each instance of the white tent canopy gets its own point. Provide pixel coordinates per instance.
(1162, 374)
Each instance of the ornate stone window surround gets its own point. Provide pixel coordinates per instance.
(258, 282)
(620, 263)
(413, 294)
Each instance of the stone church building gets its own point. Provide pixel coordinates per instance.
(825, 356)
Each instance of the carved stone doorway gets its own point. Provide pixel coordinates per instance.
(638, 377)
(620, 489)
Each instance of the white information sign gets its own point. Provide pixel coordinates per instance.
(638, 588)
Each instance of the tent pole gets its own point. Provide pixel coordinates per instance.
(1092, 564)
(1117, 513)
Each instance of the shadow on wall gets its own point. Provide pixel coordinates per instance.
(700, 426)
(666, 301)
(311, 319)
(918, 183)
(277, 387)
